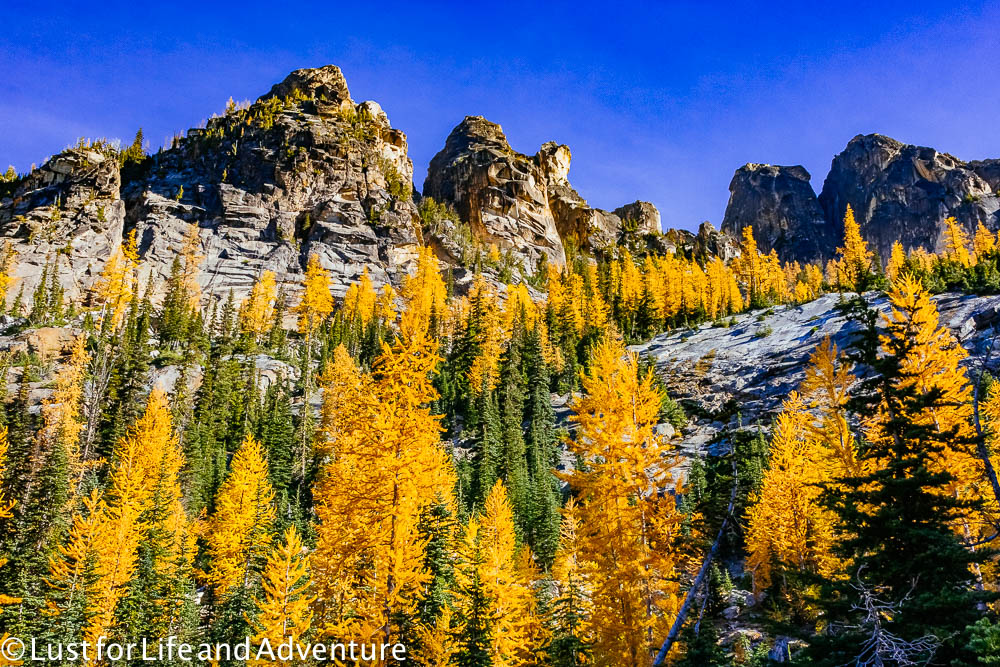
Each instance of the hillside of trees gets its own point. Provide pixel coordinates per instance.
(403, 477)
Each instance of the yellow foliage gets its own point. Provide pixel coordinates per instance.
(361, 299)
(191, 259)
(439, 644)
(144, 482)
(385, 465)
(491, 335)
(983, 243)
(257, 312)
(932, 365)
(317, 300)
(424, 295)
(113, 288)
(240, 530)
(7, 259)
(284, 611)
(629, 542)
(896, 260)
(786, 523)
(511, 598)
(956, 243)
(61, 425)
(855, 258)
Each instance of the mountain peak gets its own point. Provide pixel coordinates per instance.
(327, 81)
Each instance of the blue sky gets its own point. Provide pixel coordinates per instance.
(657, 101)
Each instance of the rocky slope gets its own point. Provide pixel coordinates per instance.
(897, 191)
(736, 376)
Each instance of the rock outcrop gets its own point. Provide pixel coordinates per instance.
(898, 192)
(710, 242)
(779, 204)
(905, 192)
(500, 193)
(302, 171)
(639, 217)
(67, 216)
(737, 375)
(525, 202)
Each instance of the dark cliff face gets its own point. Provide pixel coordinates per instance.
(779, 204)
(905, 192)
(898, 192)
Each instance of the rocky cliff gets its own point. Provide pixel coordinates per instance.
(68, 216)
(303, 170)
(526, 202)
(897, 191)
(905, 192)
(779, 204)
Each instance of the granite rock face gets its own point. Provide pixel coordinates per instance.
(779, 204)
(501, 193)
(737, 376)
(905, 192)
(302, 171)
(67, 216)
(525, 202)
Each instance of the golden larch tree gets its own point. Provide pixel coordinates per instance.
(6, 505)
(317, 300)
(191, 259)
(239, 532)
(855, 260)
(984, 242)
(7, 260)
(630, 530)
(385, 466)
(787, 527)
(932, 367)
(257, 311)
(897, 258)
(423, 294)
(956, 243)
(284, 611)
(511, 598)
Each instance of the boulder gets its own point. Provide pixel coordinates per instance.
(51, 342)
